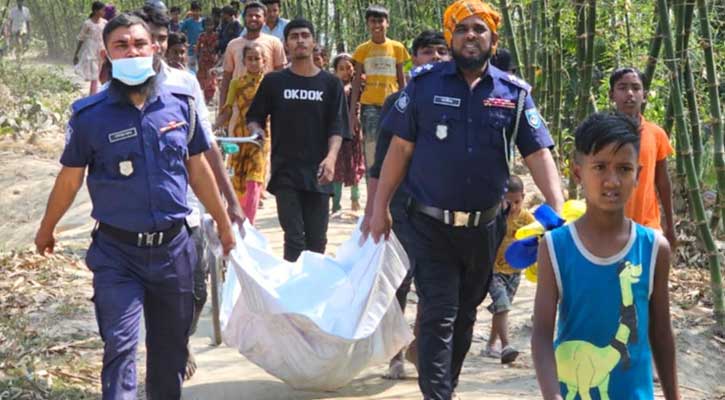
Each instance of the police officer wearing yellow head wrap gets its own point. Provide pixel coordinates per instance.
(456, 125)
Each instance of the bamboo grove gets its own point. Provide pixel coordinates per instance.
(566, 50)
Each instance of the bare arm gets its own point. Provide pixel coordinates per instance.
(75, 54)
(327, 167)
(226, 78)
(67, 184)
(401, 76)
(660, 328)
(201, 180)
(394, 170)
(542, 338)
(664, 189)
(355, 95)
(543, 170)
(216, 162)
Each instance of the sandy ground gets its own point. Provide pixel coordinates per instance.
(26, 180)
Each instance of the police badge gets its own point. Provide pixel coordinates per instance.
(442, 132)
(126, 167)
(533, 118)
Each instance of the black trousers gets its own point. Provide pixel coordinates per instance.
(452, 274)
(304, 217)
(403, 231)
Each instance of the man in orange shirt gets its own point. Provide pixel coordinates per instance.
(627, 93)
(273, 50)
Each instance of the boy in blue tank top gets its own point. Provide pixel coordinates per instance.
(606, 277)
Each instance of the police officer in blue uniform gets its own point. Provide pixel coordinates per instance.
(142, 147)
(455, 127)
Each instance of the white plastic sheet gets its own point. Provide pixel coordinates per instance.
(318, 322)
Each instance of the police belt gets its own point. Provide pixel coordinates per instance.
(142, 239)
(468, 219)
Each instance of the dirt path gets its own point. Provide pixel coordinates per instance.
(26, 180)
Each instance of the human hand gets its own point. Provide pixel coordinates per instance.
(236, 215)
(355, 125)
(380, 225)
(326, 171)
(671, 237)
(226, 237)
(364, 229)
(44, 241)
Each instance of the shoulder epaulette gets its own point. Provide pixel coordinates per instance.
(86, 102)
(516, 81)
(421, 70)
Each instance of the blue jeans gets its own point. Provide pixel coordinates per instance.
(370, 123)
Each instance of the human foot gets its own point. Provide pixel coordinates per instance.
(396, 370)
(190, 366)
(508, 355)
(490, 352)
(355, 205)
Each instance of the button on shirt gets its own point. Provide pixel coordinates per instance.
(460, 135)
(137, 176)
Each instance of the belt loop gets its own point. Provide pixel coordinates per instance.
(447, 217)
(161, 239)
(476, 219)
(139, 242)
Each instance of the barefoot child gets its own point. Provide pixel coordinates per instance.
(250, 164)
(505, 279)
(206, 49)
(350, 166)
(87, 58)
(606, 277)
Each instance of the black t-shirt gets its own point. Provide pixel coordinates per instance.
(306, 112)
(385, 136)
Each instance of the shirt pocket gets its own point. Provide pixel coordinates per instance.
(442, 123)
(497, 124)
(122, 160)
(173, 150)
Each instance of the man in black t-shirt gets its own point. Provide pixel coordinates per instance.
(309, 120)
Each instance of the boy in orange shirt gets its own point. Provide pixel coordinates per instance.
(627, 93)
(380, 60)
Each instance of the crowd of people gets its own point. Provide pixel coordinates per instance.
(435, 147)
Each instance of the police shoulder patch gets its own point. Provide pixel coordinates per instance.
(402, 103)
(511, 78)
(86, 102)
(68, 133)
(533, 118)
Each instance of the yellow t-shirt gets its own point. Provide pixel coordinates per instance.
(380, 61)
(512, 225)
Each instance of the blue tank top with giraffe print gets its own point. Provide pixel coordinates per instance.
(602, 343)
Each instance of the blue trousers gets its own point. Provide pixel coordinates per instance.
(452, 273)
(128, 280)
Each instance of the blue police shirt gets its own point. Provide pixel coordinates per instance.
(137, 175)
(459, 161)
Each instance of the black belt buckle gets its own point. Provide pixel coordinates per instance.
(150, 239)
(461, 218)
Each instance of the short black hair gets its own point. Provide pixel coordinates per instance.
(604, 128)
(338, 59)
(177, 38)
(195, 6)
(270, 2)
(153, 16)
(515, 184)
(216, 11)
(618, 73)
(427, 38)
(298, 23)
(254, 4)
(174, 9)
(228, 10)
(252, 46)
(376, 10)
(503, 60)
(124, 20)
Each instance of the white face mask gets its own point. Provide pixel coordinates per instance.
(133, 71)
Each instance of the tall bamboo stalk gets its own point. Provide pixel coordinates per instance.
(556, 78)
(509, 29)
(689, 164)
(534, 42)
(715, 108)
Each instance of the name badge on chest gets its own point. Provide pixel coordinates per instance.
(125, 167)
(122, 135)
(447, 101)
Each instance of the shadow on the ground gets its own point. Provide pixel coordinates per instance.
(363, 388)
